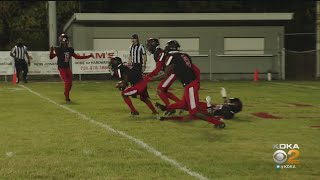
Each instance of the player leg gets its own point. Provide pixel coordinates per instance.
(25, 71)
(163, 87)
(166, 89)
(68, 82)
(63, 76)
(192, 99)
(144, 96)
(18, 69)
(182, 104)
(129, 92)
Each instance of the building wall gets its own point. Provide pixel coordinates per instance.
(211, 38)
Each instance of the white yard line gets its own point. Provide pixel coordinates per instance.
(123, 134)
(295, 85)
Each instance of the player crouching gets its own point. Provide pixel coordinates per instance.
(138, 85)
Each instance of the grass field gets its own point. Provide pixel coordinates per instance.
(43, 140)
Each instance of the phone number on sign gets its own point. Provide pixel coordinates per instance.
(93, 68)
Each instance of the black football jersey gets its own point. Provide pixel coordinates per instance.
(182, 67)
(134, 76)
(64, 56)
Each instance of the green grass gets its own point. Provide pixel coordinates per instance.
(48, 142)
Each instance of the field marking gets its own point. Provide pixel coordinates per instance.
(295, 85)
(137, 141)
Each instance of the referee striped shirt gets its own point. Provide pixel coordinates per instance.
(137, 52)
(19, 52)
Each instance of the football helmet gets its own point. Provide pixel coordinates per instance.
(172, 45)
(63, 39)
(115, 63)
(152, 44)
(235, 104)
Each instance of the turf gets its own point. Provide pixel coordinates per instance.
(40, 140)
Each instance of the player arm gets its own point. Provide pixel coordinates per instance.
(52, 53)
(130, 56)
(167, 72)
(130, 59)
(81, 57)
(144, 57)
(156, 70)
(12, 51)
(144, 60)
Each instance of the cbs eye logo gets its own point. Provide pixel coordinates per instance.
(280, 156)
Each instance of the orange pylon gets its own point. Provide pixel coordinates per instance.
(256, 75)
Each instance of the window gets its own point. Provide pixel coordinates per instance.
(249, 46)
(188, 45)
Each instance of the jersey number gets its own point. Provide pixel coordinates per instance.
(66, 57)
(186, 60)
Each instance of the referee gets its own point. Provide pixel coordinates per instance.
(137, 57)
(19, 52)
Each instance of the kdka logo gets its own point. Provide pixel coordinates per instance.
(286, 155)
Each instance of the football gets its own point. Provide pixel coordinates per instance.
(121, 85)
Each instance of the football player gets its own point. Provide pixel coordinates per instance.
(153, 47)
(64, 52)
(181, 65)
(138, 86)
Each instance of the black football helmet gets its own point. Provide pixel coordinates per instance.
(152, 44)
(63, 39)
(115, 63)
(235, 104)
(172, 45)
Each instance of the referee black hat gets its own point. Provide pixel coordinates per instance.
(134, 36)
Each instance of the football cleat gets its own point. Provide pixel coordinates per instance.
(136, 113)
(160, 106)
(208, 99)
(161, 118)
(223, 92)
(169, 112)
(220, 126)
(155, 113)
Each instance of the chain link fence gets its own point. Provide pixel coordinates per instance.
(301, 65)
(213, 65)
(298, 65)
(301, 56)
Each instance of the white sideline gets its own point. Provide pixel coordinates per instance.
(295, 85)
(137, 141)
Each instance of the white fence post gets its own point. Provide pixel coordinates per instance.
(210, 63)
(283, 63)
